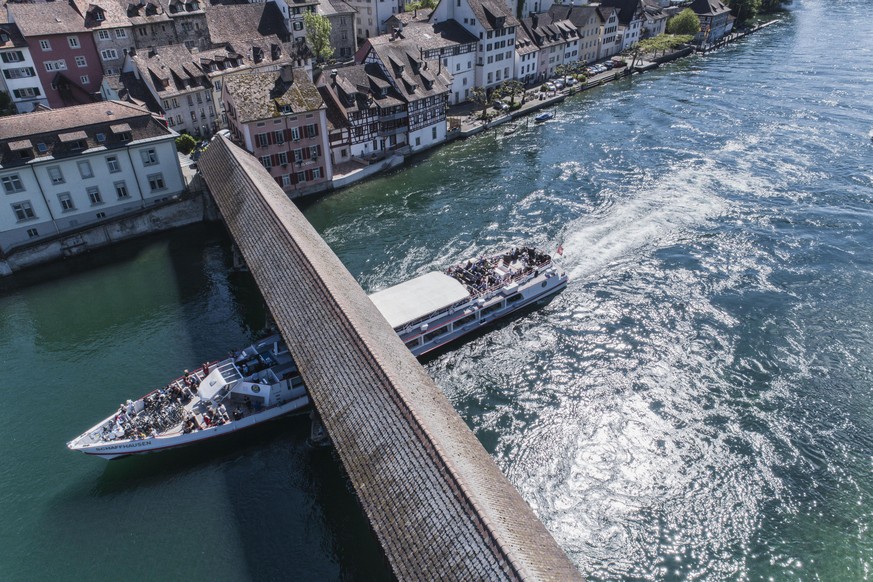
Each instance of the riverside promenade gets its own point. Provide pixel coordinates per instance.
(438, 504)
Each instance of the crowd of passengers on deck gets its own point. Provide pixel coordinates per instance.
(482, 275)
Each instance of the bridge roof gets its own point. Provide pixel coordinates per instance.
(436, 500)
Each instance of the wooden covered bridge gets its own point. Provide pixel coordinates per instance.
(438, 503)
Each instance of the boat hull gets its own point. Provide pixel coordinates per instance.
(114, 450)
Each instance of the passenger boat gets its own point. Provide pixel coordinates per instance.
(544, 117)
(434, 309)
(254, 385)
(262, 382)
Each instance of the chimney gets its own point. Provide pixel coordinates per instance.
(152, 52)
(286, 73)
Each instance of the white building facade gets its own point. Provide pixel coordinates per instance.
(65, 169)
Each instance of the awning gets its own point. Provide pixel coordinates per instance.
(23, 144)
(120, 128)
(72, 136)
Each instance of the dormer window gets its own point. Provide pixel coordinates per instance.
(98, 15)
(4, 36)
(78, 144)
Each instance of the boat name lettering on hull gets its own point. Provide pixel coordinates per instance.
(135, 445)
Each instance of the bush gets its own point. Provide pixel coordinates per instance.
(185, 143)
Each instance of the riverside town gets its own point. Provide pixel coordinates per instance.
(108, 104)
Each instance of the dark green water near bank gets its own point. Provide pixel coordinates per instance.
(696, 405)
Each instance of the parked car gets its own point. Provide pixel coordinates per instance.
(550, 86)
(571, 81)
(559, 85)
(609, 65)
(500, 105)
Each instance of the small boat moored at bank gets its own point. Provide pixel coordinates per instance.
(544, 117)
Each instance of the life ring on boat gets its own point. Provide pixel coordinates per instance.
(256, 388)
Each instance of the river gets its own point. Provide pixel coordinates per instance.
(695, 405)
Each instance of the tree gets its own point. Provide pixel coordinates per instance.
(6, 106)
(480, 97)
(420, 5)
(318, 35)
(185, 143)
(745, 9)
(686, 22)
(510, 89)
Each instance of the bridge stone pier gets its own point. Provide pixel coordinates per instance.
(438, 504)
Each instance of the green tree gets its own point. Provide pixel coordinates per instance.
(480, 97)
(510, 89)
(744, 9)
(185, 143)
(420, 5)
(686, 22)
(318, 35)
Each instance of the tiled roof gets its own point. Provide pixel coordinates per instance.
(432, 36)
(244, 22)
(47, 18)
(523, 43)
(436, 500)
(626, 9)
(258, 96)
(113, 13)
(414, 78)
(709, 7)
(15, 38)
(173, 64)
(332, 7)
(59, 129)
(578, 15)
(493, 14)
(145, 11)
(545, 31)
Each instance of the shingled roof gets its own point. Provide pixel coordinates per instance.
(59, 129)
(48, 18)
(244, 22)
(258, 96)
(170, 70)
(413, 77)
(493, 14)
(436, 501)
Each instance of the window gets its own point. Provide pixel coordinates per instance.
(283, 158)
(32, 232)
(286, 180)
(12, 184)
(73, 41)
(279, 137)
(313, 151)
(84, 79)
(156, 182)
(101, 215)
(81, 62)
(58, 65)
(433, 133)
(121, 190)
(42, 147)
(316, 173)
(55, 175)
(23, 211)
(12, 57)
(26, 92)
(45, 45)
(66, 201)
(19, 73)
(94, 195)
(112, 163)
(301, 177)
(108, 54)
(311, 130)
(261, 140)
(85, 170)
(298, 155)
(267, 161)
(295, 133)
(120, 33)
(149, 157)
(103, 34)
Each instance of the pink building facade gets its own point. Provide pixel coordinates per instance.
(283, 123)
(63, 51)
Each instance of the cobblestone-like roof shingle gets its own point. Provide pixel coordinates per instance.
(436, 500)
(259, 96)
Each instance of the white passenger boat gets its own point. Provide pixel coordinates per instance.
(262, 381)
(257, 384)
(439, 307)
